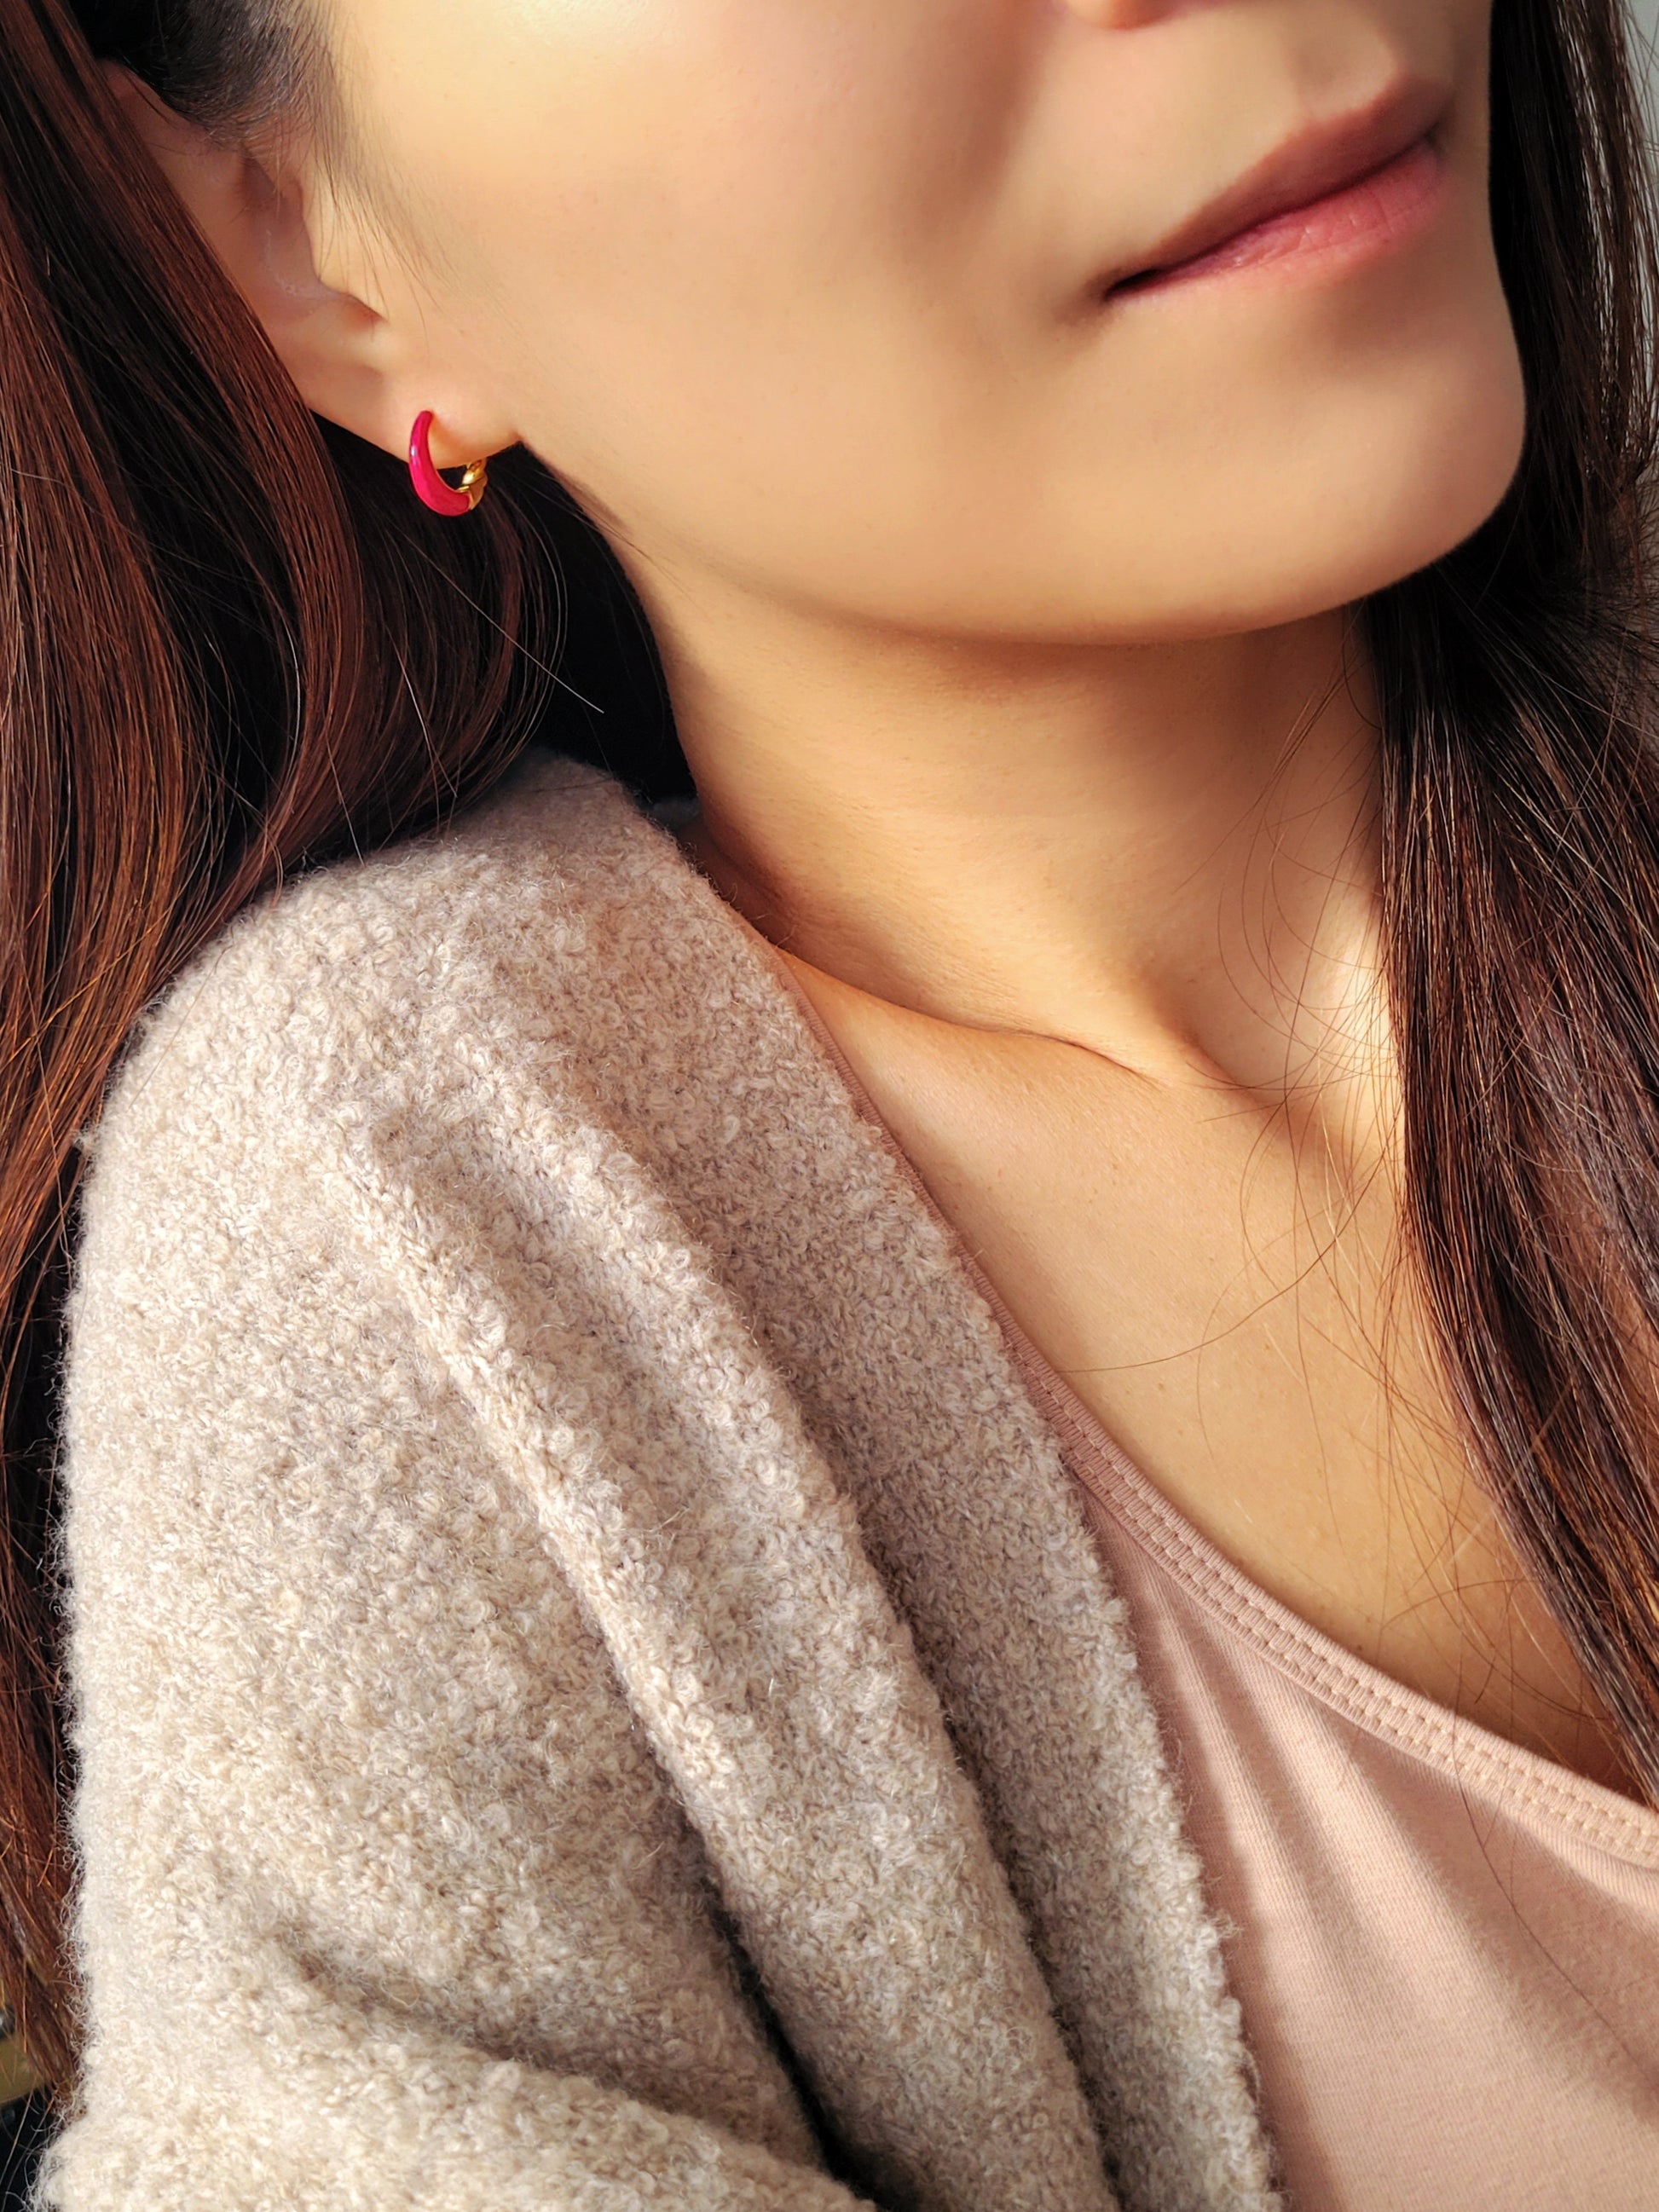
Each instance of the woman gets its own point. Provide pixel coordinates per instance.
(931, 1483)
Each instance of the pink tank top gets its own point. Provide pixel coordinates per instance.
(1446, 1948)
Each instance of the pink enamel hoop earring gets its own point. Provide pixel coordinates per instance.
(442, 497)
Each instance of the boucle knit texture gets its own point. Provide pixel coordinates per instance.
(593, 1684)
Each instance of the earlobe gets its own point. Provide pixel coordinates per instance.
(342, 353)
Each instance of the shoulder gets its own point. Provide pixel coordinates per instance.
(362, 976)
(376, 1080)
(379, 1039)
(500, 1025)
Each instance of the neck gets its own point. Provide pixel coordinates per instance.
(1164, 853)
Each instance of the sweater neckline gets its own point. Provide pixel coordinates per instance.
(1362, 1693)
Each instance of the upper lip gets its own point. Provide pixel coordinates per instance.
(1322, 158)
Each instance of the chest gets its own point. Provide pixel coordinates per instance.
(1239, 1316)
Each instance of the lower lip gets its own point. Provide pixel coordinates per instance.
(1361, 223)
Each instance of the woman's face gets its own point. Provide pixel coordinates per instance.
(812, 298)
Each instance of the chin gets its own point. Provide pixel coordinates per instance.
(1373, 502)
(1421, 470)
(1364, 434)
(1415, 521)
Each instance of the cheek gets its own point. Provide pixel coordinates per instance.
(605, 175)
(1306, 478)
(697, 240)
(740, 304)
(883, 454)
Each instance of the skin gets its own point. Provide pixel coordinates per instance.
(1006, 633)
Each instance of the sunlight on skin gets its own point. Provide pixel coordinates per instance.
(796, 295)
(1005, 627)
(800, 302)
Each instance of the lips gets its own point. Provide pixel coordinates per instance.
(1307, 168)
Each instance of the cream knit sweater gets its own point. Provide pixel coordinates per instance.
(594, 1689)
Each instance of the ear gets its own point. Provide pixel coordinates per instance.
(355, 361)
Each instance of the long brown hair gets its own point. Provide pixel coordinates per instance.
(221, 662)
(230, 644)
(1521, 876)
